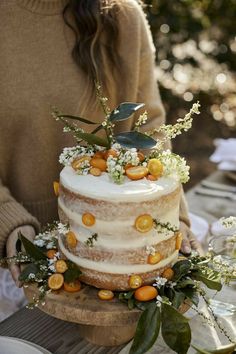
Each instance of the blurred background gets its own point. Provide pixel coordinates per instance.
(196, 60)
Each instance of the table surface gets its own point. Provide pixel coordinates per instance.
(61, 337)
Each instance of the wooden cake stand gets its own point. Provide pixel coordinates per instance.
(105, 323)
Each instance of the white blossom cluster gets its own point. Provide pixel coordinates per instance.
(115, 165)
(69, 154)
(159, 282)
(141, 120)
(229, 222)
(174, 165)
(225, 267)
(150, 250)
(171, 131)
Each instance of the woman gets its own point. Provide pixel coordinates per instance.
(51, 51)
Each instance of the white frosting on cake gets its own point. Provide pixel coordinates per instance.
(116, 268)
(102, 188)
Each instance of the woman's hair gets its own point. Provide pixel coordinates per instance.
(95, 25)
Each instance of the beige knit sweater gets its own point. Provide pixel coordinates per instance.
(37, 72)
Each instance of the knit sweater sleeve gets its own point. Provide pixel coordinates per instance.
(12, 215)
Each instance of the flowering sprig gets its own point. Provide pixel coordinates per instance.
(141, 121)
(69, 154)
(164, 226)
(174, 165)
(229, 222)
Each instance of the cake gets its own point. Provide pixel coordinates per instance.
(121, 206)
(120, 250)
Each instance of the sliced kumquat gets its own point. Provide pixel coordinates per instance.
(110, 152)
(155, 167)
(88, 219)
(95, 171)
(56, 188)
(136, 172)
(51, 253)
(146, 293)
(71, 239)
(61, 266)
(154, 258)
(99, 163)
(77, 163)
(135, 281)
(98, 155)
(168, 274)
(144, 223)
(127, 166)
(72, 287)
(105, 294)
(55, 281)
(178, 241)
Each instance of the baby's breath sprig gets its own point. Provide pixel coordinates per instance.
(141, 121)
(160, 226)
(107, 124)
(229, 222)
(68, 127)
(171, 131)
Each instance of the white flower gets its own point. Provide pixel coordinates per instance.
(31, 276)
(39, 242)
(62, 228)
(160, 282)
(158, 301)
(150, 250)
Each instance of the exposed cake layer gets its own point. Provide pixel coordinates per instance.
(104, 274)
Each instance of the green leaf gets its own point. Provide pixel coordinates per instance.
(191, 294)
(131, 304)
(32, 250)
(175, 329)
(92, 139)
(180, 269)
(124, 111)
(147, 330)
(83, 120)
(210, 277)
(97, 129)
(178, 299)
(135, 139)
(129, 294)
(18, 245)
(185, 282)
(31, 268)
(73, 272)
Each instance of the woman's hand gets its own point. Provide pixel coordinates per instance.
(29, 232)
(189, 242)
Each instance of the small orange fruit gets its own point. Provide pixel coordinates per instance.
(71, 239)
(146, 293)
(110, 152)
(105, 294)
(51, 253)
(136, 172)
(154, 258)
(128, 165)
(55, 281)
(141, 156)
(135, 281)
(168, 273)
(88, 219)
(178, 241)
(98, 155)
(99, 163)
(95, 171)
(56, 188)
(76, 164)
(144, 223)
(61, 266)
(72, 287)
(155, 167)
(152, 178)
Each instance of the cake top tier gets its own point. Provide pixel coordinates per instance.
(103, 188)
